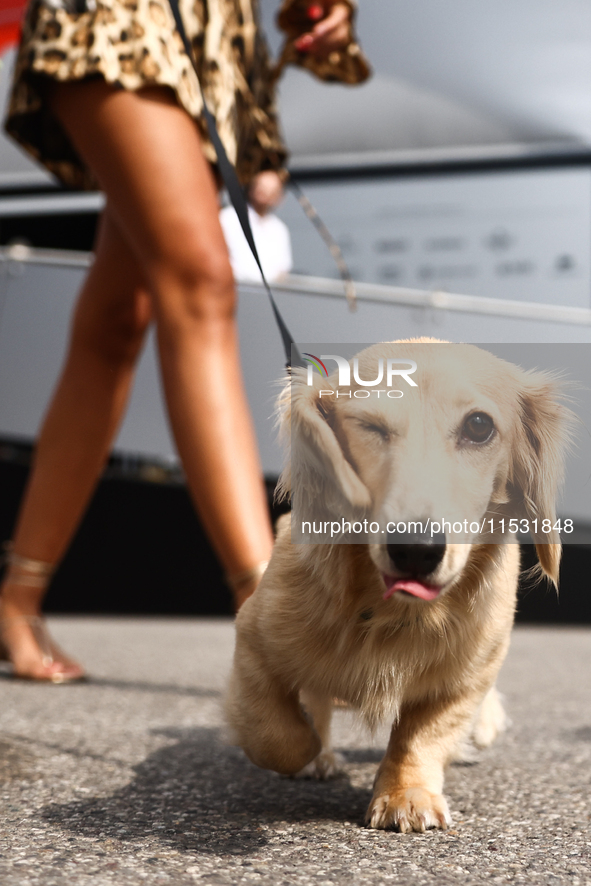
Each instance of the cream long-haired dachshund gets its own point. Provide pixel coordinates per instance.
(413, 628)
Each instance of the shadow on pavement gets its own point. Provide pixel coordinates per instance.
(145, 686)
(17, 763)
(583, 733)
(200, 795)
(363, 755)
(131, 685)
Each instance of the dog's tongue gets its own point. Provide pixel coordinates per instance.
(416, 588)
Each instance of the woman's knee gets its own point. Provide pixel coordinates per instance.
(192, 281)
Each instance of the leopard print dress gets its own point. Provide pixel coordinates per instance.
(133, 43)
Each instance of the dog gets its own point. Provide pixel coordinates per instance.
(415, 626)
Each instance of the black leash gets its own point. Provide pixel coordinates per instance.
(230, 179)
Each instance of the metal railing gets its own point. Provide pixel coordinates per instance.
(296, 284)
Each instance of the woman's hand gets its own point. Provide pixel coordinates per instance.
(332, 29)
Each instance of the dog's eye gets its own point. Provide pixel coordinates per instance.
(478, 428)
(376, 429)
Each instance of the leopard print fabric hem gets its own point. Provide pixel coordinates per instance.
(133, 44)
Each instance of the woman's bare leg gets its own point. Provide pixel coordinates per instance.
(162, 217)
(111, 317)
(147, 155)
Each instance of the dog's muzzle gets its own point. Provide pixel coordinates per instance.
(415, 561)
(419, 556)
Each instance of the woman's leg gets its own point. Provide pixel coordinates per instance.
(147, 155)
(111, 317)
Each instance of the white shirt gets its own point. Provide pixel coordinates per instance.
(272, 240)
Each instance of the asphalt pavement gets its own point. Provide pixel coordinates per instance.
(129, 778)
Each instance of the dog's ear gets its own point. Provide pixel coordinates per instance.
(537, 463)
(318, 475)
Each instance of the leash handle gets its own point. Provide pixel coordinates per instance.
(230, 179)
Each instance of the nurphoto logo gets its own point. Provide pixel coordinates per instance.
(387, 372)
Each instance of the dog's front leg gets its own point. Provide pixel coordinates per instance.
(267, 718)
(409, 783)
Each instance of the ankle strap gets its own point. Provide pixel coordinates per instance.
(30, 573)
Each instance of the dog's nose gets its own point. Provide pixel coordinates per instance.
(419, 558)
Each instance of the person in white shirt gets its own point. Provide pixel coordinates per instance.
(271, 235)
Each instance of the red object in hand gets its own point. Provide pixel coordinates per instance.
(302, 44)
(315, 12)
(11, 16)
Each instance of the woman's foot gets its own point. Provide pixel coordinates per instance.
(25, 641)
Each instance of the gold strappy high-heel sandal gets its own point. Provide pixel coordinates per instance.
(48, 663)
(243, 584)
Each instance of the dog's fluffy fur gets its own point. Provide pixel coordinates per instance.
(318, 626)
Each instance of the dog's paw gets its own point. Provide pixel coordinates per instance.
(414, 809)
(328, 764)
